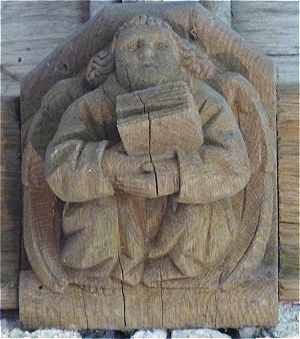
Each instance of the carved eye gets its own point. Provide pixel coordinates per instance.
(162, 45)
(133, 45)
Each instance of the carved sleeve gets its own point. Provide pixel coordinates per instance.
(221, 168)
(74, 156)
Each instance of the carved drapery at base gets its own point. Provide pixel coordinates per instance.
(149, 177)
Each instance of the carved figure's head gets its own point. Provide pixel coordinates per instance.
(146, 51)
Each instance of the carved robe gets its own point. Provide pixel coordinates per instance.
(137, 239)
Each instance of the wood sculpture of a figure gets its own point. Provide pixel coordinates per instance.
(159, 159)
(115, 216)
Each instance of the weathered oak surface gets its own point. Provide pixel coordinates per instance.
(30, 31)
(289, 287)
(288, 182)
(11, 201)
(226, 187)
(261, 23)
(142, 307)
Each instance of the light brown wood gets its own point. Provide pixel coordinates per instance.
(251, 21)
(200, 222)
(159, 114)
(146, 307)
(11, 201)
(288, 181)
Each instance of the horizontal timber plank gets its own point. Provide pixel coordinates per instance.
(261, 23)
(30, 31)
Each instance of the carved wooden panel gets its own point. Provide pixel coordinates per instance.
(261, 24)
(150, 176)
(11, 201)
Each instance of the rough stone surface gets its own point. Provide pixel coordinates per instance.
(247, 332)
(11, 328)
(157, 334)
(288, 325)
(200, 333)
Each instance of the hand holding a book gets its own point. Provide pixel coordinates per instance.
(167, 175)
(153, 180)
(126, 172)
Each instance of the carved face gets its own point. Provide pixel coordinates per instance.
(146, 57)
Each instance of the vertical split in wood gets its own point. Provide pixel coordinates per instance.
(123, 292)
(85, 310)
(161, 298)
(149, 143)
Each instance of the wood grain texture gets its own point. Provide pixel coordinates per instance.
(288, 181)
(96, 5)
(260, 23)
(143, 307)
(221, 9)
(111, 242)
(11, 201)
(30, 31)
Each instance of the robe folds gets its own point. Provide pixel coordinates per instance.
(147, 240)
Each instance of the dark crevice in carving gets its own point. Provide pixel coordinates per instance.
(244, 203)
(150, 155)
(79, 154)
(128, 80)
(161, 299)
(202, 106)
(212, 120)
(216, 310)
(208, 240)
(149, 145)
(123, 293)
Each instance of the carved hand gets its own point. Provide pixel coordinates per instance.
(126, 172)
(167, 175)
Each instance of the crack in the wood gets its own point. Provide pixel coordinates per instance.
(150, 155)
(123, 293)
(244, 204)
(208, 240)
(85, 311)
(216, 310)
(282, 54)
(149, 145)
(161, 299)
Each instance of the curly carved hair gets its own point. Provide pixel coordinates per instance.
(193, 59)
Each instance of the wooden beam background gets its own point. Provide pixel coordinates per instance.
(32, 29)
(272, 26)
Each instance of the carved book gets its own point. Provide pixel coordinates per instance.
(149, 176)
(159, 120)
